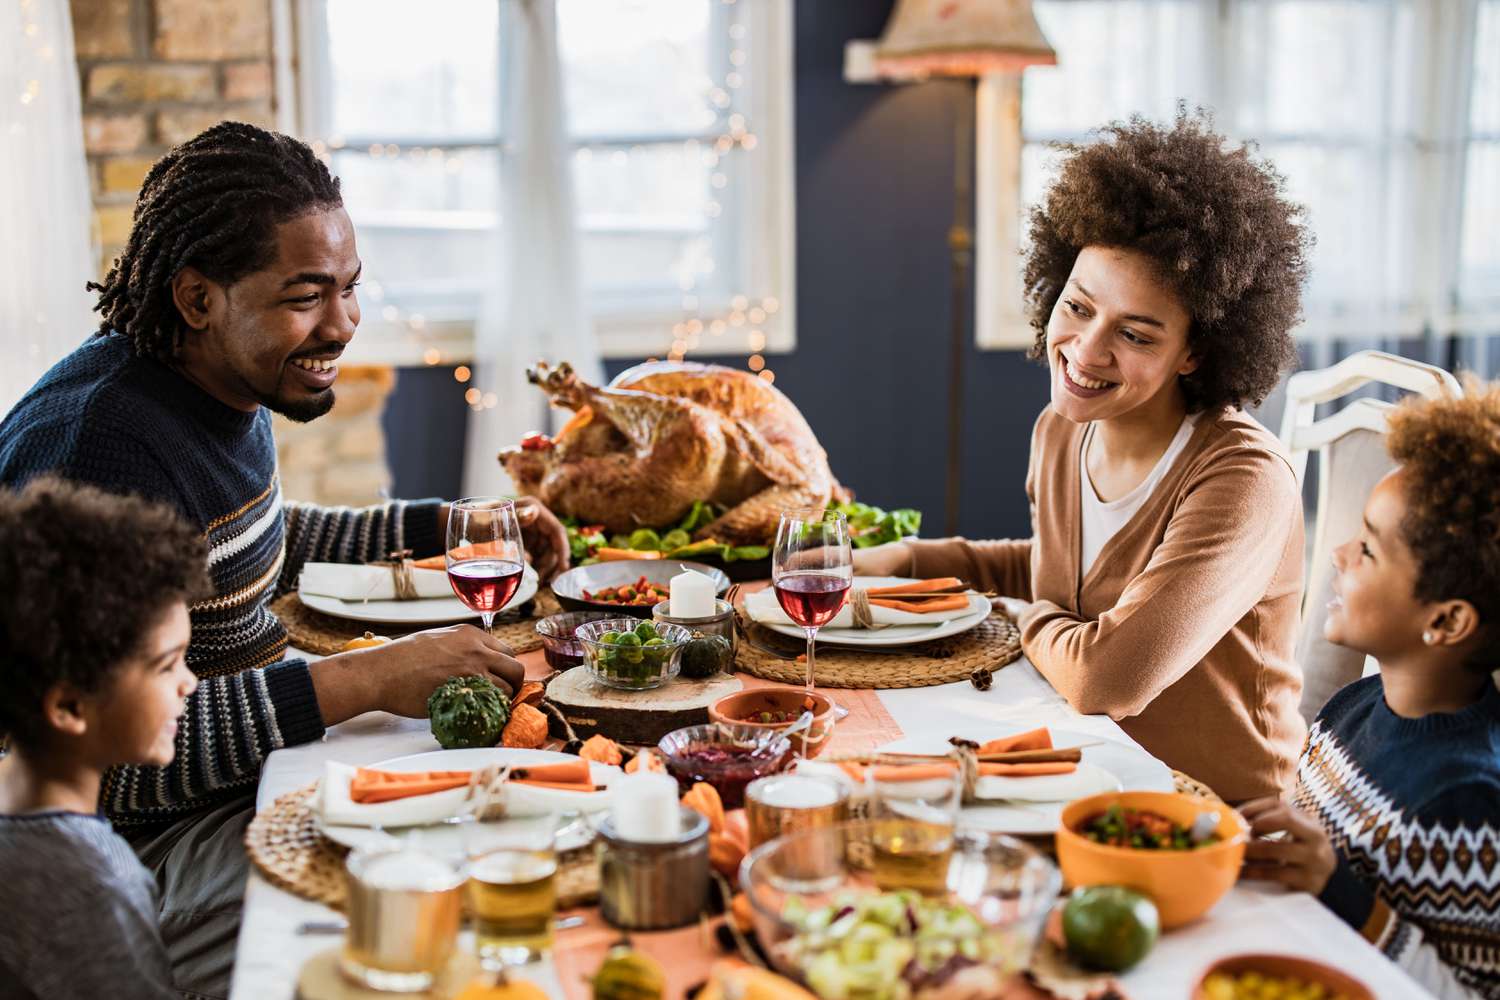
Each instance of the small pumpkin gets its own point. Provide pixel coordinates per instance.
(526, 730)
(646, 760)
(725, 854)
(704, 799)
(502, 988)
(601, 749)
(366, 641)
(531, 693)
(628, 974)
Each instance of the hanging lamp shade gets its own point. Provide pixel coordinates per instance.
(961, 38)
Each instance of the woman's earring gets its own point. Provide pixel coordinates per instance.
(1429, 638)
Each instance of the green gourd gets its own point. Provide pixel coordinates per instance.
(705, 655)
(468, 712)
(628, 975)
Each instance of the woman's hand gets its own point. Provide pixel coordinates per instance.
(1303, 859)
(890, 559)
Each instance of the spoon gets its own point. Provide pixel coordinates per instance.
(803, 722)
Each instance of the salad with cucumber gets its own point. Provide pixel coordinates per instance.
(893, 946)
(589, 544)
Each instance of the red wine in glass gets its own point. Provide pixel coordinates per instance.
(812, 599)
(485, 585)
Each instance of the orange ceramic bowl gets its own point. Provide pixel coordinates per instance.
(1183, 884)
(742, 706)
(1338, 984)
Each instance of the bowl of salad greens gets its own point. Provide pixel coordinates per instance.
(824, 921)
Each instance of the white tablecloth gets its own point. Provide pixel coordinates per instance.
(1250, 918)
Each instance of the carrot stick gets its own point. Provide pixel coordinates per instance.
(917, 606)
(912, 772)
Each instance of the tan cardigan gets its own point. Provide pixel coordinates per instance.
(1184, 628)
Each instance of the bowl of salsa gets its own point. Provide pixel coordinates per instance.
(1181, 850)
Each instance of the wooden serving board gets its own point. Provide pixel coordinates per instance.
(638, 717)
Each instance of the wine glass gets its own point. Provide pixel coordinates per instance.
(485, 555)
(812, 569)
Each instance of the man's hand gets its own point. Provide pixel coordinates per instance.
(399, 676)
(545, 537)
(1303, 859)
(890, 559)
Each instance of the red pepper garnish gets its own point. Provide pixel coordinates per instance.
(536, 441)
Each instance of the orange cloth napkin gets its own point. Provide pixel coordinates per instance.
(1035, 739)
(371, 786)
(920, 605)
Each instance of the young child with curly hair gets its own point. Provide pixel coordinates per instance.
(93, 631)
(1396, 822)
(1162, 579)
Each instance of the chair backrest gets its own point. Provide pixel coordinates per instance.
(1351, 459)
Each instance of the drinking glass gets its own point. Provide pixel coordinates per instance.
(780, 804)
(512, 894)
(812, 569)
(404, 910)
(913, 811)
(485, 554)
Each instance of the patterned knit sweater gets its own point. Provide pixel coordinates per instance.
(1413, 809)
(132, 425)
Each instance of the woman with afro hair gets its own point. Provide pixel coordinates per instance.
(1162, 580)
(1396, 822)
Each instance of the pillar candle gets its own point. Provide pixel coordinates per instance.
(692, 595)
(644, 807)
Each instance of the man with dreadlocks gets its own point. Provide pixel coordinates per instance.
(235, 297)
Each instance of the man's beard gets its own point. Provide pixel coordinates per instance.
(303, 409)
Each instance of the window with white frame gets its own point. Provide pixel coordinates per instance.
(679, 116)
(1383, 115)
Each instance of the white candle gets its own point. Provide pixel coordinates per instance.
(692, 595)
(644, 808)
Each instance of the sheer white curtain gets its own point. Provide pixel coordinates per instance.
(46, 255)
(535, 309)
(1361, 104)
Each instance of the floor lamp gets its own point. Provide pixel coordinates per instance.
(967, 39)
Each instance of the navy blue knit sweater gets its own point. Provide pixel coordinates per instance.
(133, 425)
(1413, 809)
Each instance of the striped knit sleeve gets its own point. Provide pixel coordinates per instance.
(1453, 948)
(357, 534)
(231, 725)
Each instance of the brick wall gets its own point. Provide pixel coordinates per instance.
(156, 72)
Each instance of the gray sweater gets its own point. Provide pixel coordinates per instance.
(80, 913)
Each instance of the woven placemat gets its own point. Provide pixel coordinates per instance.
(323, 634)
(1187, 785)
(990, 645)
(287, 848)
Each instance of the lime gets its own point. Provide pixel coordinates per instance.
(628, 639)
(1109, 927)
(646, 631)
(610, 638)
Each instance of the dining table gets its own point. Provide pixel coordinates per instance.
(1252, 917)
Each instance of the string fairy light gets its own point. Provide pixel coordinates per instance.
(735, 136)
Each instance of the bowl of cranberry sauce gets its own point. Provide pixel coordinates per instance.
(727, 756)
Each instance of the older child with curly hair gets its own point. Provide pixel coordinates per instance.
(93, 632)
(1162, 579)
(1396, 823)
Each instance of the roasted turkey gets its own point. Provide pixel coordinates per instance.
(638, 452)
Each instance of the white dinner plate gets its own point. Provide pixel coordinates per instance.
(468, 838)
(1112, 766)
(428, 611)
(892, 635)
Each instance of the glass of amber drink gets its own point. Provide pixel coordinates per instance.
(512, 897)
(913, 811)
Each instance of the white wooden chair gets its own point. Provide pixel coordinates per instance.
(1350, 446)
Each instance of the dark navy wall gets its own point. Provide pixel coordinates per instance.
(874, 169)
